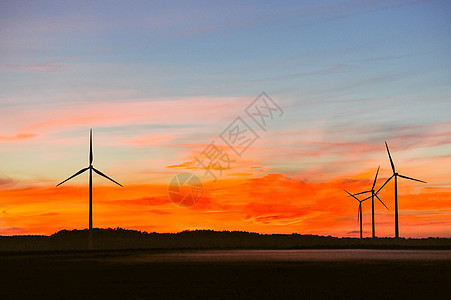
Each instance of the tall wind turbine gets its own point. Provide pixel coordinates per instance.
(90, 168)
(374, 194)
(359, 215)
(396, 175)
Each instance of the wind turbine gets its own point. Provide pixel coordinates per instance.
(359, 215)
(396, 175)
(90, 168)
(374, 194)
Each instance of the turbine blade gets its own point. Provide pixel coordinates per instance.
(384, 184)
(366, 198)
(391, 161)
(91, 157)
(381, 201)
(363, 193)
(101, 174)
(358, 213)
(411, 178)
(375, 178)
(76, 174)
(352, 195)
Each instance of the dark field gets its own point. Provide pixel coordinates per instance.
(193, 274)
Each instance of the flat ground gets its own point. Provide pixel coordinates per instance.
(224, 275)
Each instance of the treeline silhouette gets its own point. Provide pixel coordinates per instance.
(117, 239)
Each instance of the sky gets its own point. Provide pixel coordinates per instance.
(162, 82)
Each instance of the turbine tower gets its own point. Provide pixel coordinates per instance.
(359, 215)
(373, 194)
(90, 168)
(396, 175)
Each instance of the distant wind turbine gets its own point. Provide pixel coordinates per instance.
(396, 175)
(373, 194)
(359, 215)
(90, 168)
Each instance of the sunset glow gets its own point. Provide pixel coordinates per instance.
(159, 87)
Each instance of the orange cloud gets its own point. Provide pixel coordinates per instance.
(17, 137)
(273, 203)
(274, 187)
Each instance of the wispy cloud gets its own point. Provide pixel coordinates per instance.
(37, 67)
(17, 137)
(13, 230)
(225, 25)
(6, 181)
(323, 13)
(57, 64)
(330, 70)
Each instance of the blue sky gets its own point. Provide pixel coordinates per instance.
(333, 64)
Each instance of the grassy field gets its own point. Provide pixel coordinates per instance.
(221, 265)
(145, 274)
